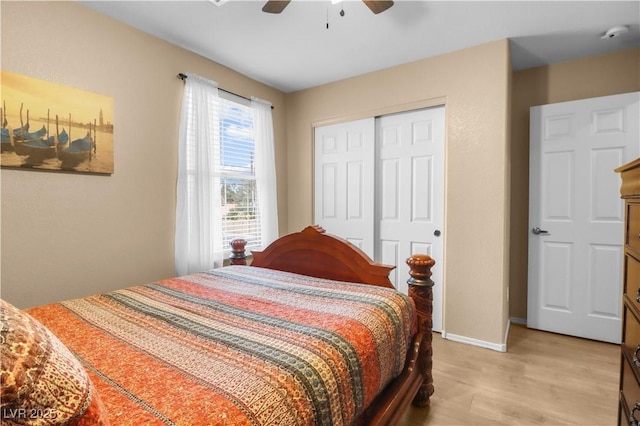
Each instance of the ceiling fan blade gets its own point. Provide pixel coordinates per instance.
(378, 6)
(275, 6)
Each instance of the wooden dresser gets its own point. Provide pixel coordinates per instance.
(629, 411)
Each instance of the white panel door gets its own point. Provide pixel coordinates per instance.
(576, 215)
(344, 181)
(410, 194)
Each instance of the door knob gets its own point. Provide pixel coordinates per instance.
(538, 231)
(437, 232)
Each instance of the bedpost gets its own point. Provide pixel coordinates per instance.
(238, 255)
(421, 290)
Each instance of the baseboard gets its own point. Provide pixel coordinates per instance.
(519, 321)
(506, 334)
(500, 347)
(475, 342)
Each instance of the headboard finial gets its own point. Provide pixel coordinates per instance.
(238, 255)
(420, 269)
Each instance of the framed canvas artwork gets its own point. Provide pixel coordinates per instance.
(48, 126)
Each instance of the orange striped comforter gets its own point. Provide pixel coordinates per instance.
(237, 346)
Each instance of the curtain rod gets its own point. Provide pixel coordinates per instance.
(183, 77)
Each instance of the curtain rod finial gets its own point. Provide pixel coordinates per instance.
(182, 76)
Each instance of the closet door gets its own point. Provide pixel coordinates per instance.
(410, 194)
(379, 183)
(344, 181)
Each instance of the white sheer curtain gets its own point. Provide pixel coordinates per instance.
(198, 220)
(265, 163)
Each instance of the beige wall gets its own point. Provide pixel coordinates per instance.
(68, 235)
(474, 86)
(585, 78)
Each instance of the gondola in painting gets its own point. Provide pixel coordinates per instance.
(48, 126)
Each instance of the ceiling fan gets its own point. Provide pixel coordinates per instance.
(376, 6)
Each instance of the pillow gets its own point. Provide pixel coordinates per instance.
(43, 383)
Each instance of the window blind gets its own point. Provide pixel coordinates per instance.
(239, 209)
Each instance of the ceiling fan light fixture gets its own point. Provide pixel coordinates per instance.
(218, 2)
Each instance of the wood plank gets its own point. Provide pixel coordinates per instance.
(543, 379)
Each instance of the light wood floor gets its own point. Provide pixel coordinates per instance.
(542, 379)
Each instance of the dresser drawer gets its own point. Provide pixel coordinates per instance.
(632, 279)
(633, 227)
(631, 338)
(623, 413)
(630, 390)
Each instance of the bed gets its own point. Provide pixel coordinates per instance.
(311, 332)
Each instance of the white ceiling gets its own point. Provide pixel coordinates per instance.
(295, 50)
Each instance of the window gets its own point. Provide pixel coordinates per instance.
(226, 185)
(239, 211)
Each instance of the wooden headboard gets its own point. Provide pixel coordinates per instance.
(315, 253)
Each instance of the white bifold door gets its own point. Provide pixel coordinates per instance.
(379, 183)
(344, 181)
(576, 214)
